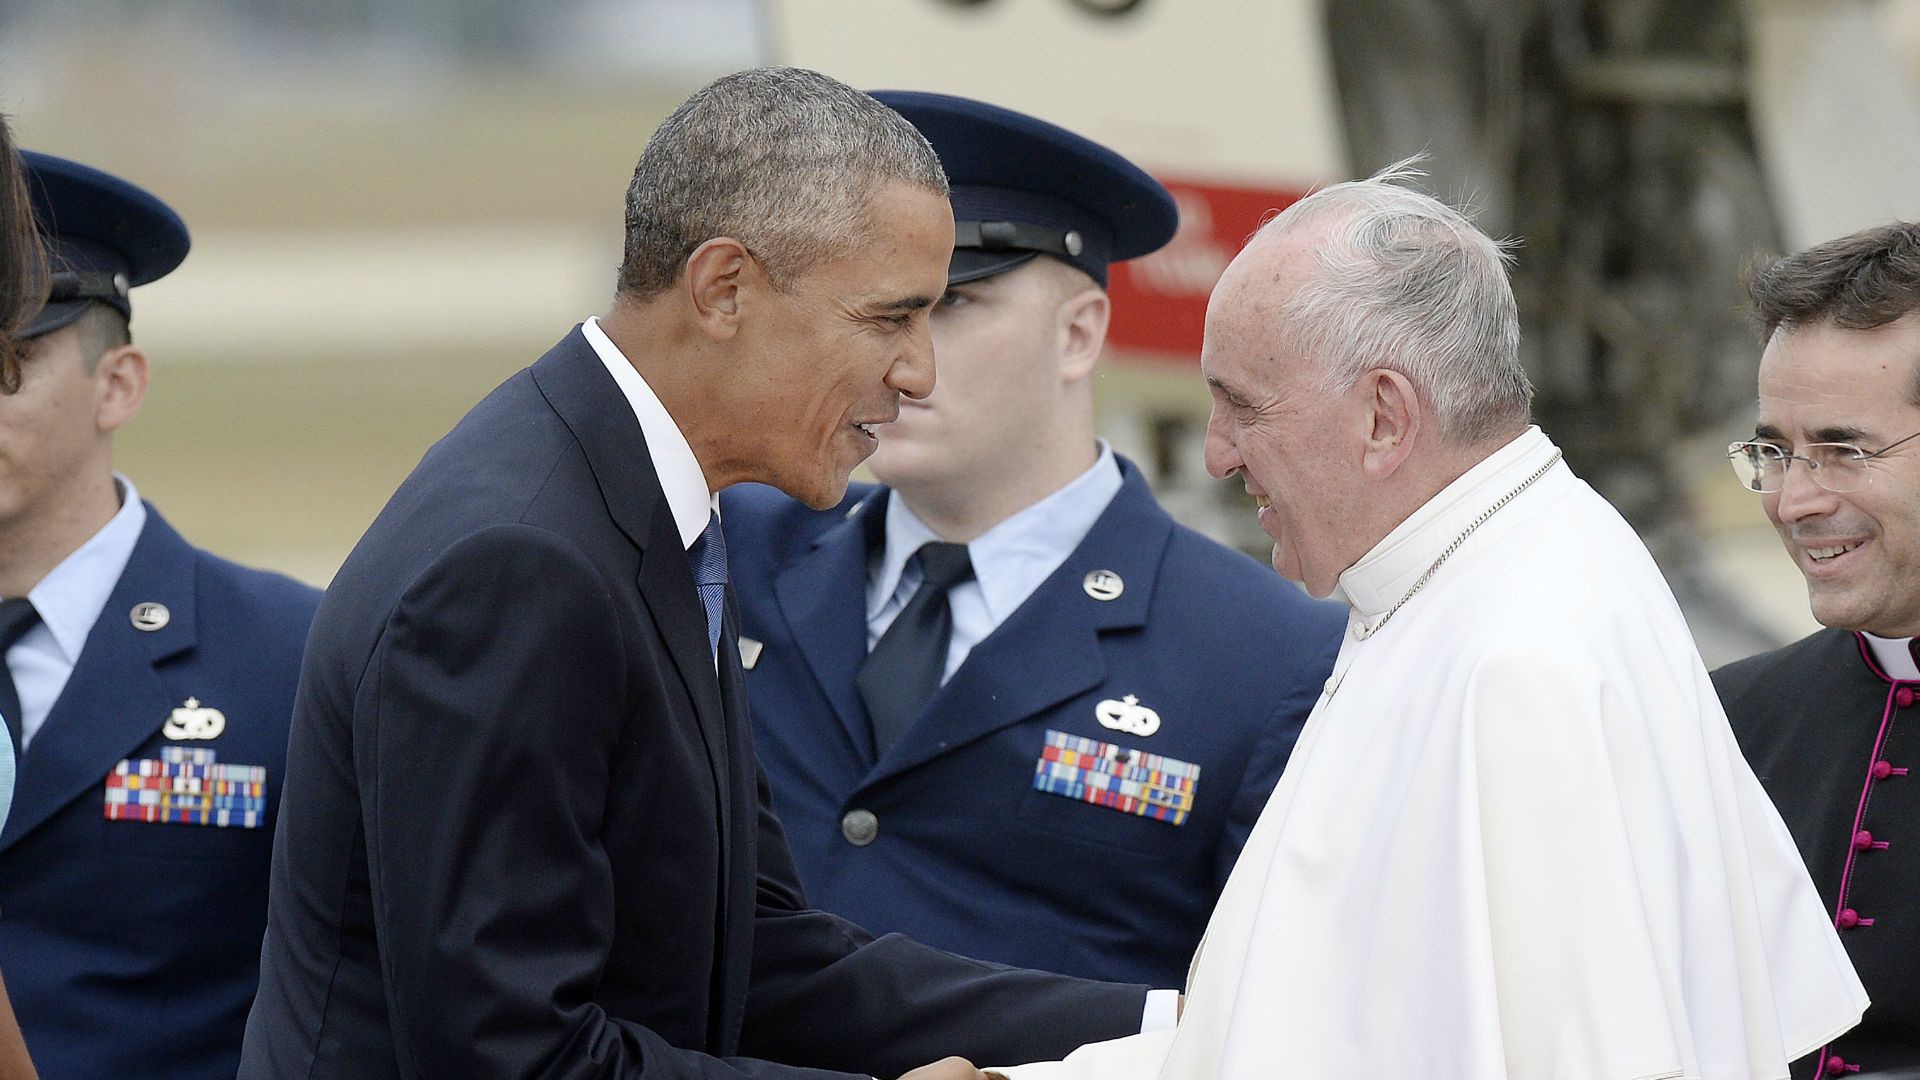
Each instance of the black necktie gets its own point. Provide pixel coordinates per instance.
(907, 662)
(17, 616)
(708, 556)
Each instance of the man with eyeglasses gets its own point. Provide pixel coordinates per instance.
(1831, 723)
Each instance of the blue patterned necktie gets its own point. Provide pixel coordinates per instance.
(708, 555)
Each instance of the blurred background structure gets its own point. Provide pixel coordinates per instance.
(396, 203)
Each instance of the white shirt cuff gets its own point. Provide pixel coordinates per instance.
(1162, 1012)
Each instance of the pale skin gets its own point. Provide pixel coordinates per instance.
(1332, 475)
(772, 384)
(1860, 550)
(1011, 421)
(56, 452)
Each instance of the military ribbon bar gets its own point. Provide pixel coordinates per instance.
(1118, 778)
(187, 786)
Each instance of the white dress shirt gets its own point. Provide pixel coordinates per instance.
(70, 599)
(1009, 560)
(1895, 656)
(681, 478)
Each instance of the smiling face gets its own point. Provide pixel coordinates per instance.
(1859, 551)
(837, 349)
(1273, 427)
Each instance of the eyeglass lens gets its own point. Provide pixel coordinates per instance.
(1837, 467)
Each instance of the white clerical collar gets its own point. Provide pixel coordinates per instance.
(1894, 655)
(72, 595)
(1383, 575)
(681, 478)
(1011, 559)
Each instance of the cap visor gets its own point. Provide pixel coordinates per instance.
(972, 264)
(54, 316)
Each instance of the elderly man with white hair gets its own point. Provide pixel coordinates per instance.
(1516, 839)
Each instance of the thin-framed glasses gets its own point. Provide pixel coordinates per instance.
(1837, 467)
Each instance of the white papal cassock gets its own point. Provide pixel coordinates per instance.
(1516, 840)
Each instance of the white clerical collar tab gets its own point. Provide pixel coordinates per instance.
(1375, 583)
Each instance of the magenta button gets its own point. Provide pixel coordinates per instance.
(1903, 697)
(1882, 770)
(1862, 840)
(1848, 919)
(1836, 1066)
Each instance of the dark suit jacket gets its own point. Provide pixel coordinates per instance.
(131, 948)
(1230, 657)
(524, 834)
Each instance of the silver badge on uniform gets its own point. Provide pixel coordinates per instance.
(1127, 715)
(1103, 585)
(150, 616)
(749, 652)
(195, 721)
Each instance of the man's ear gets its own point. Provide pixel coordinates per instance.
(120, 379)
(717, 272)
(1083, 332)
(1392, 416)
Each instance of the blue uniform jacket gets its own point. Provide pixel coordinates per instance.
(132, 948)
(963, 851)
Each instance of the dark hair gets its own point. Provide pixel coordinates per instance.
(23, 262)
(1861, 281)
(784, 160)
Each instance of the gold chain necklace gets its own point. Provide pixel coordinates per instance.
(1366, 632)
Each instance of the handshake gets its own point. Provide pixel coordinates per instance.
(953, 1068)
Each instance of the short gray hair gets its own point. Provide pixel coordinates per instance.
(784, 160)
(1409, 284)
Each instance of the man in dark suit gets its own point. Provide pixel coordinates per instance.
(525, 835)
(148, 687)
(1831, 723)
(1009, 735)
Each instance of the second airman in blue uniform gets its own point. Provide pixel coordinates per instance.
(147, 689)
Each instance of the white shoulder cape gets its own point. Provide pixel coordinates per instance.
(1516, 840)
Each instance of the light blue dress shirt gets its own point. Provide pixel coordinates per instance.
(70, 599)
(6, 780)
(1010, 560)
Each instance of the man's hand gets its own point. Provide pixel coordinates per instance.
(953, 1068)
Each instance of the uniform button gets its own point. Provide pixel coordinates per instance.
(1862, 840)
(1837, 1066)
(1882, 770)
(860, 827)
(1848, 919)
(1903, 696)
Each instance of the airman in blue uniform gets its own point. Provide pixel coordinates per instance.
(147, 689)
(1009, 706)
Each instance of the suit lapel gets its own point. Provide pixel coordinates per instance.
(114, 701)
(823, 597)
(1049, 650)
(593, 407)
(671, 599)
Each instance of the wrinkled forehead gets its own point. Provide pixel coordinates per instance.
(1821, 380)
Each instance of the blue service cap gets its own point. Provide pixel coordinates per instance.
(104, 236)
(1023, 187)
